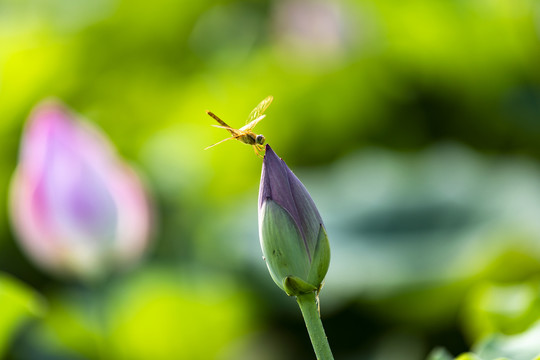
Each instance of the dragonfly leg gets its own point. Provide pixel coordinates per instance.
(259, 150)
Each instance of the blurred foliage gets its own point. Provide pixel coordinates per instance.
(414, 251)
(518, 347)
(501, 308)
(442, 354)
(523, 346)
(410, 245)
(151, 314)
(19, 304)
(419, 233)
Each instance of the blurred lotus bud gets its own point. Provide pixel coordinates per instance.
(291, 231)
(316, 34)
(77, 209)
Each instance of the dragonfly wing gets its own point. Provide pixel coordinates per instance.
(234, 132)
(252, 124)
(219, 142)
(259, 109)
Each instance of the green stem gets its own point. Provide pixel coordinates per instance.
(310, 311)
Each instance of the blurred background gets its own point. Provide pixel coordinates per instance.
(415, 126)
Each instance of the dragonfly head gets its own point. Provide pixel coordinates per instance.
(260, 139)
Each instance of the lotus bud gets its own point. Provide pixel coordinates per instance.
(76, 208)
(293, 238)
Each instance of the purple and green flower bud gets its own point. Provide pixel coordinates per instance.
(76, 207)
(293, 238)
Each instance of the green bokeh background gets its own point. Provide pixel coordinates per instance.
(414, 124)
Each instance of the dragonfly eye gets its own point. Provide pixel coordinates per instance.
(259, 139)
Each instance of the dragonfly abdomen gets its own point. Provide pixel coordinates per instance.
(222, 123)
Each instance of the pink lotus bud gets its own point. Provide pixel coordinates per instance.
(76, 207)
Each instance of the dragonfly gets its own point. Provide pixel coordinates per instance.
(245, 134)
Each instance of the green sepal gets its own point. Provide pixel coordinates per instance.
(321, 259)
(282, 244)
(295, 286)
